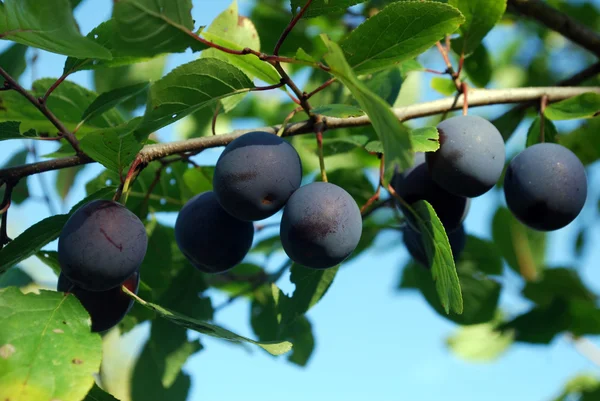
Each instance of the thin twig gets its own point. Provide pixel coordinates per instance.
(320, 88)
(214, 119)
(543, 104)
(465, 90)
(54, 86)
(477, 98)
(289, 28)
(377, 194)
(41, 106)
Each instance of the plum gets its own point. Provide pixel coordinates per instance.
(545, 186)
(321, 225)
(471, 156)
(255, 175)
(210, 238)
(106, 308)
(416, 184)
(101, 245)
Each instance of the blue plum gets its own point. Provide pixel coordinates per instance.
(321, 225)
(545, 186)
(416, 184)
(256, 174)
(106, 308)
(101, 245)
(414, 244)
(471, 156)
(210, 238)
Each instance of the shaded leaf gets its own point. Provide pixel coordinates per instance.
(558, 283)
(541, 324)
(108, 100)
(338, 110)
(478, 66)
(535, 130)
(13, 60)
(97, 394)
(322, 7)
(480, 18)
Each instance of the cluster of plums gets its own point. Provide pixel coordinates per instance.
(103, 244)
(545, 185)
(257, 175)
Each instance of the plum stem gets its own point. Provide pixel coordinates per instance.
(319, 135)
(465, 89)
(377, 194)
(543, 104)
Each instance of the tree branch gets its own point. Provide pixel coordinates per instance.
(40, 104)
(477, 97)
(559, 22)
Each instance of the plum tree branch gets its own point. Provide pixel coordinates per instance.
(559, 22)
(40, 104)
(477, 98)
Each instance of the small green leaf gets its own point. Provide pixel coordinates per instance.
(273, 348)
(425, 139)
(445, 86)
(311, 286)
(108, 100)
(480, 343)
(541, 324)
(338, 110)
(399, 32)
(480, 18)
(35, 237)
(437, 247)
(48, 25)
(32, 329)
(11, 130)
(534, 133)
(478, 67)
(189, 88)
(146, 28)
(523, 248)
(586, 105)
(322, 7)
(115, 148)
(393, 134)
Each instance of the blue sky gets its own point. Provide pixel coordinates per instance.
(372, 342)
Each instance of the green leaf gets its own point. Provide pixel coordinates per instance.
(523, 248)
(534, 133)
(20, 192)
(441, 261)
(478, 66)
(480, 18)
(301, 335)
(115, 148)
(480, 343)
(425, 139)
(145, 28)
(399, 32)
(585, 318)
(35, 237)
(338, 110)
(541, 324)
(11, 130)
(558, 283)
(322, 7)
(311, 286)
(108, 100)
(15, 277)
(272, 347)
(97, 394)
(32, 329)
(586, 105)
(157, 373)
(65, 180)
(345, 144)
(480, 255)
(189, 88)
(445, 86)
(236, 32)
(584, 141)
(393, 134)
(13, 60)
(48, 25)
(50, 259)
(508, 122)
(68, 103)
(385, 84)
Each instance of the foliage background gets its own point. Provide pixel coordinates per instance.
(372, 342)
